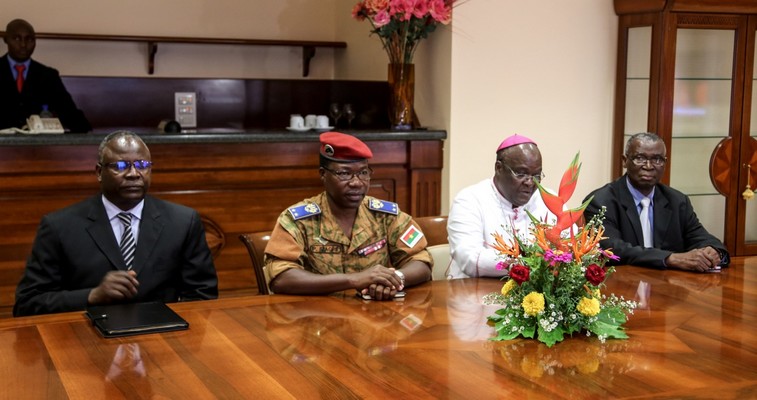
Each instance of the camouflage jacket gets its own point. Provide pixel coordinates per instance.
(307, 236)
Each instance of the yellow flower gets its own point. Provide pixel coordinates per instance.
(597, 294)
(533, 303)
(588, 307)
(508, 287)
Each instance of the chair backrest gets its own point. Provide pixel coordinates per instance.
(255, 243)
(442, 258)
(435, 230)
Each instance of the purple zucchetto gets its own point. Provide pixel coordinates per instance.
(514, 140)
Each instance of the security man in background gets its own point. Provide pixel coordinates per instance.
(29, 88)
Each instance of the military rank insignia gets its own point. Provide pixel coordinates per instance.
(411, 236)
(384, 206)
(304, 211)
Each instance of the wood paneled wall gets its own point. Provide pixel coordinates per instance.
(111, 102)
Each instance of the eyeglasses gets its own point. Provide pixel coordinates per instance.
(346, 176)
(524, 177)
(121, 166)
(640, 160)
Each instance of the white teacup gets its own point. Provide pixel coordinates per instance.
(310, 121)
(322, 122)
(296, 121)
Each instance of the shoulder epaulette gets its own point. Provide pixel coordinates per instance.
(383, 206)
(304, 211)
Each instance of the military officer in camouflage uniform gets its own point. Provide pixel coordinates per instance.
(342, 239)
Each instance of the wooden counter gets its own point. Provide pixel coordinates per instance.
(692, 338)
(238, 181)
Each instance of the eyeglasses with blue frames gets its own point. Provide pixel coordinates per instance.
(640, 160)
(524, 177)
(346, 176)
(121, 166)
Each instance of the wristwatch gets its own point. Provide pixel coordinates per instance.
(401, 276)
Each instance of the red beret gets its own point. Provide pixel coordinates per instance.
(340, 147)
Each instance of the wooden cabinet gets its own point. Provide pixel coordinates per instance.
(686, 72)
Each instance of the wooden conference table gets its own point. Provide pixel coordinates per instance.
(694, 336)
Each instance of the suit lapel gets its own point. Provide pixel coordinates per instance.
(662, 215)
(149, 231)
(632, 213)
(101, 233)
(6, 77)
(33, 77)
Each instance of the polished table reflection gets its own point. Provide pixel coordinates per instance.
(693, 336)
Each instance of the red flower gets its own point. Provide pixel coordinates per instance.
(595, 274)
(519, 273)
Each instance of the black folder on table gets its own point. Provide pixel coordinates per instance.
(135, 319)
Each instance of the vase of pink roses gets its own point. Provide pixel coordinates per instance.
(401, 25)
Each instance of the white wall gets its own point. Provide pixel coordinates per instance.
(364, 59)
(544, 69)
(259, 19)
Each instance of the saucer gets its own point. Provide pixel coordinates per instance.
(303, 129)
(325, 128)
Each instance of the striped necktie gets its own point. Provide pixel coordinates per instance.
(128, 245)
(20, 77)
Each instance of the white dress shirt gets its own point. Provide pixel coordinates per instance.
(118, 227)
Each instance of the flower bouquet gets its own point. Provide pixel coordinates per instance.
(401, 25)
(555, 280)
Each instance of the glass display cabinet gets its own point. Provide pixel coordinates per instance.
(686, 72)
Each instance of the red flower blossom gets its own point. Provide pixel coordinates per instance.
(595, 274)
(519, 273)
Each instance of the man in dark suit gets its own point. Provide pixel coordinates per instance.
(118, 246)
(39, 86)
(675, 237)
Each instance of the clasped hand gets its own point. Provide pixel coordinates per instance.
(700, 260)
(116, 285)
(379, 282)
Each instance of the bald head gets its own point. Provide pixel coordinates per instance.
(17, 24)
(20, 39)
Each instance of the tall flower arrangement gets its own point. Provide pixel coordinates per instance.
(554, 285)
(401, 24)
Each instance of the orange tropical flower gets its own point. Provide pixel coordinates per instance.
(556, 204)
(511, 250)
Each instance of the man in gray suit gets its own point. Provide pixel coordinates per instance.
(118, 246)
(675, 237)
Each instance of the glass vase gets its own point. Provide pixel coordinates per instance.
(401, 96)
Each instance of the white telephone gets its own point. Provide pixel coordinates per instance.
(35, 124)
